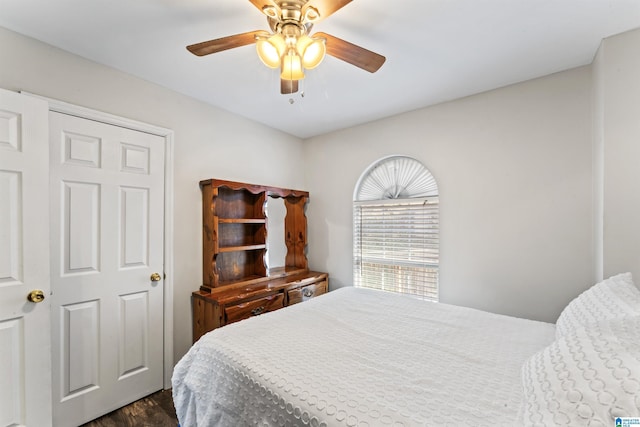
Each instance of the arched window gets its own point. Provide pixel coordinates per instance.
(396, 228)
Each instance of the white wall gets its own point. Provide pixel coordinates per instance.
(523, 189)
(619, 130)
(514, 171)
(209, 143)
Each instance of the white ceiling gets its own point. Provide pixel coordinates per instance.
(436, 50)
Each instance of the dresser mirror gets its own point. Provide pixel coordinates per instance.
(275, 211)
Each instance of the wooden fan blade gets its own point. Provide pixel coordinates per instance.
(325, 7)
(288, 86)
(224, 43)
(353, 54)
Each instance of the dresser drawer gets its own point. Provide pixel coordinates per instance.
(234, 313)
(306, 292)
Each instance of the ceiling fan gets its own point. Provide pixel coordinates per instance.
(289, 46)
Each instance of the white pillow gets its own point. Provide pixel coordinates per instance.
(588, 377)
(614, 297)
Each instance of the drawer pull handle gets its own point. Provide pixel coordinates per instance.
(257, 310)
(307, 293)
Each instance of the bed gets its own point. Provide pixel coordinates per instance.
(359, 357)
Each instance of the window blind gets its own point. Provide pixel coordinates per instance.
(396, 246)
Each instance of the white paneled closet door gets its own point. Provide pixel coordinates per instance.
(25, 369)
(107, 207)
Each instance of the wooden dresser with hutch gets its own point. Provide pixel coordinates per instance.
(236, 283)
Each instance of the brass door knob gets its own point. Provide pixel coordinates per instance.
(36, 296)
(155, 277)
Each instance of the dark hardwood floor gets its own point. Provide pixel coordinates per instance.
(155, 410)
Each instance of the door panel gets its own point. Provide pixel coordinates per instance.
(134, 230)
(107, 202)
(80, 227)
(25, 369)
(11, 358)
(80, 347)
(134, 333)
(11, 243)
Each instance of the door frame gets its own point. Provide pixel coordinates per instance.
(111, 119)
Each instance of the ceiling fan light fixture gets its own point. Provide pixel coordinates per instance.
(270, 49)
(289, 47)
(311, 50)
(291, 66)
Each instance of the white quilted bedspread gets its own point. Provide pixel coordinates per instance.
(356, 357)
